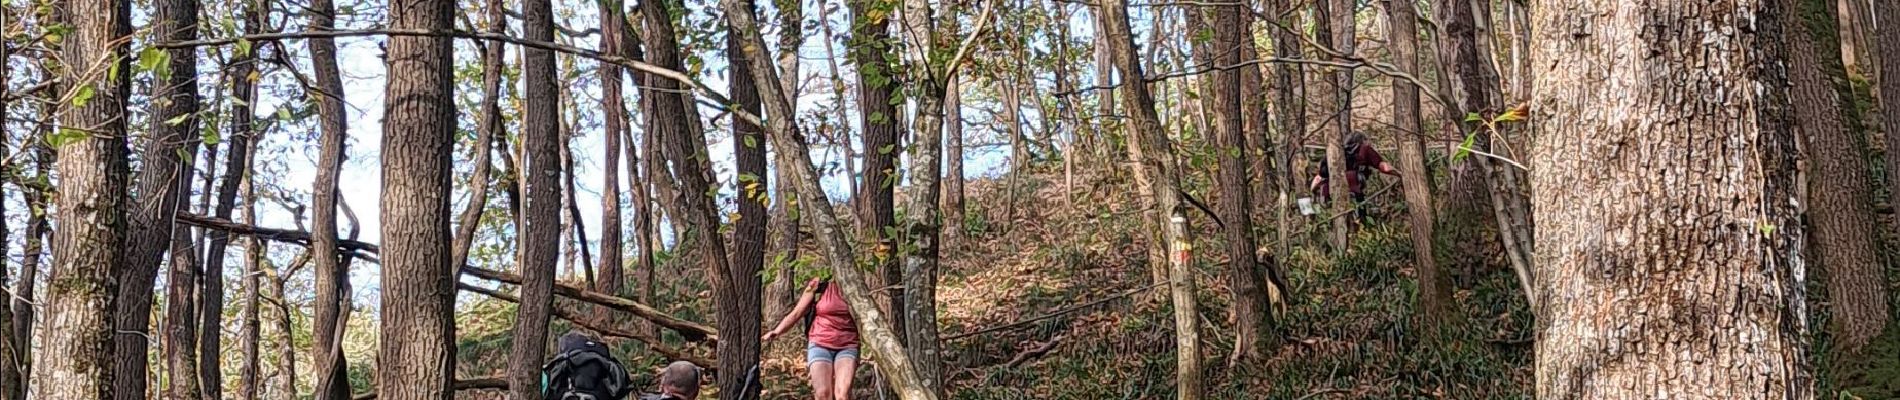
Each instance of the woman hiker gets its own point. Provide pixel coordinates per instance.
(831, 347)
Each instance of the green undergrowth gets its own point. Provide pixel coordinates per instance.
(1347, 332)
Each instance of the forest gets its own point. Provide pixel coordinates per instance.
(949, 199)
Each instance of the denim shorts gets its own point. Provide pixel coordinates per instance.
(815, 353)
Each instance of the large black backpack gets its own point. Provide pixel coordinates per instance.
(584, 370)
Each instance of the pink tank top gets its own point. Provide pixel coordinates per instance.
(832, 327)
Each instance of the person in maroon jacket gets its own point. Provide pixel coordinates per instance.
(1359, 158)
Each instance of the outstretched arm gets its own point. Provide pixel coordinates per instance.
(1386, 168)
(804, 301)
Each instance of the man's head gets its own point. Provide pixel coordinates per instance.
(1353, 140)
(680, 380)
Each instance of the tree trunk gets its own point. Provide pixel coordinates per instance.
(736, 292)
(953, 208)
(922, 228)
(539, 244)
(32, 248)
(1340, 28)
(166, 164)
(743, 302)
(1467, 36)
(782, 289)
(1888, 38)
(79, 355)
(1843, 236)
(417, 349)
(10, 355)
(878, 114)
(1290, 106)
(1159, 176)
(895, 365)
(1010, 84)
(613, 25)
(1624, 310)
(1105, 97)
(332, 273)
(639, 183)
(255, 252)
(242, 130)
(1468, 218)
(1854, 31)
(1434, 292)
(1225, 101)
(183, 282)
(286, 350)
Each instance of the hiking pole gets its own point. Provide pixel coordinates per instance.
(751, 377)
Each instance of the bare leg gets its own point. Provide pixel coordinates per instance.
(847, 369)
(821, 378)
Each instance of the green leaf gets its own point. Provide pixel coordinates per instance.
(210, 136)
(1767, 229)
(887, 149)
(1464, 149)
(177, 120)
(283, 114)
(83, 96)
(751, 142)
(150, 58)
(1473, 117)
(65, 136)
(243, 47)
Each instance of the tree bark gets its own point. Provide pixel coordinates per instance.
(1888, 37)
(242, 131)
(32, 248)
(748, 234)
(922, 229)
(286, 350)
(248, 333)
(1157, 171)
(539, 244)
(879, 115)
(10, 356)
(417, 349)
(1288, 92)
(1629, 291)
(953, 192)
(781, 289)
(1468, 217)
(613, 25)
(736, 292)
(78, 354)
(877, 335)
(1249, 292)
(1855, 31)
(1340, 26)
(1843, 236)
(1434, 291)
(332, 269)
(166, 164)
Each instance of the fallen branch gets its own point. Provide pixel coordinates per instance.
(489, 383)
(1036, 352)
(281, 235)
(1057, 313)
(572, 315)
(692, 331)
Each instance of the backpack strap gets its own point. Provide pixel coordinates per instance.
(811, 314)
